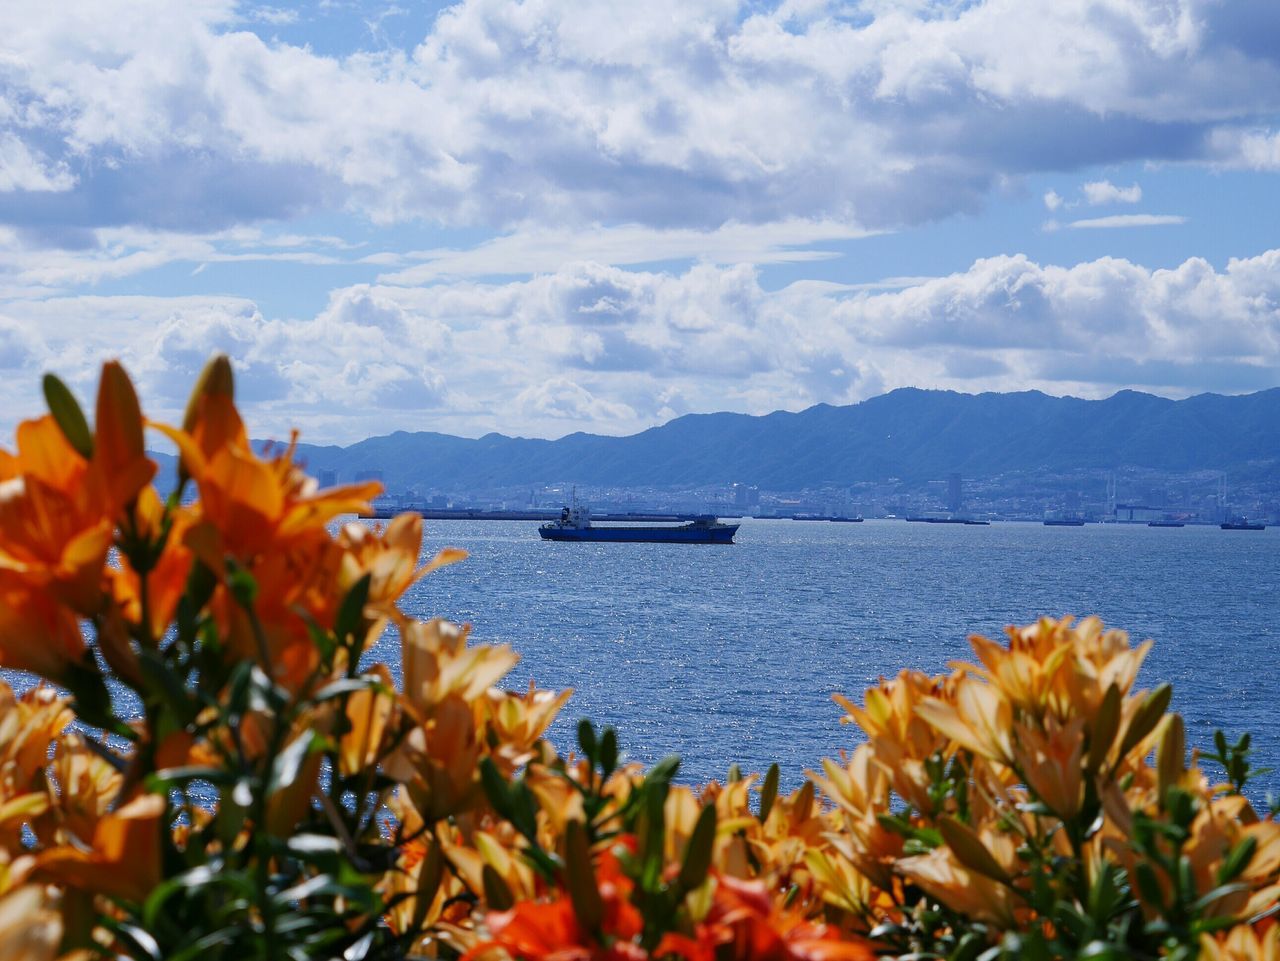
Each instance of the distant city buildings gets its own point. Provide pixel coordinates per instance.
(744, 496)
(955, 493)
(1128, 495)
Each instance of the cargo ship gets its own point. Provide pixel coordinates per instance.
(1062, 519)
(951, 519)
(574, 524)
(1242, 524)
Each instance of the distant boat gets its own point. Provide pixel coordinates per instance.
(842, 519)
(574, 524)
(1064, 522)
(1242, 524)
(975, 522)
(1166, 524)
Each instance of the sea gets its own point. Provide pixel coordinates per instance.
(723, 654)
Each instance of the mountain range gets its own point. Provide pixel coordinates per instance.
(908, 433)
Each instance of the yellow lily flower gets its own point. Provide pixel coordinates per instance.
(436, 662)
(369, 714)
(30, 927)
(516, 722)
(979, 719)
(960, 888)
(1242, 943)
(1051, 762)
(87, 786)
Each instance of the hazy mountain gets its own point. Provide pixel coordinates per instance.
(911, 434)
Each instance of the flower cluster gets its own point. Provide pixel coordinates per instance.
(213, 766)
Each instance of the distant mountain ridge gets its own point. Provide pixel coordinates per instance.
(908, 433)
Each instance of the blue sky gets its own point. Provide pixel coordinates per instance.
(545, 216)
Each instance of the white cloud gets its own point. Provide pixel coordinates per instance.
(1248, 149)
(535, 249)
(1052, 200)
(274, 16)
(85, 258)
(593, 347)
(1100, 192)
(562, 399)
(676, 114)
(1127, 220)
(21, 169)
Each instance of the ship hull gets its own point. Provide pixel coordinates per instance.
(1243, 527)
(643, 535)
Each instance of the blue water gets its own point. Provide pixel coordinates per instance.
(724, 654)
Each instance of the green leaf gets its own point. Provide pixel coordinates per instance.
(347, 686)
(243, 587)
(288, 763)
(769, 791)
(92, 699)
(1105, 725)
(1237, 859)
(351, 612)
(609, 751)
(969, 849)
(496, 789)
(142, 941)
(968, 947)
(525, 811)
(587, 740)
(1146, 717)
(68, 415)
(697, 855)
(1221, 891)
(1145, 875)
(166, 686)
(664, 771)
(1101, 951)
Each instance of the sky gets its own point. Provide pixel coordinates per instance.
(547, 216)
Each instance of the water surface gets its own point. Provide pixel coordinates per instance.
(732, 653)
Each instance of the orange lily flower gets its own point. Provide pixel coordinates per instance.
(37, 633)
(533, 931)
(58, 507)
(251, 506)
(744, 924)
(124, 858)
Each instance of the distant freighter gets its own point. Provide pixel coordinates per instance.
(574, 524)
(1242, 524)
